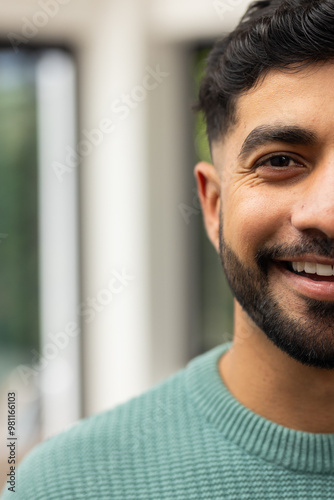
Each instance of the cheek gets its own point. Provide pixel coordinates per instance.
(251, 220)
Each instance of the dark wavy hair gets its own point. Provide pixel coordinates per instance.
(285, 34)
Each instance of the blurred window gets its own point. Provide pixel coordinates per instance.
(19, 315)
(216, 311)
(18, 207)
(20, 241)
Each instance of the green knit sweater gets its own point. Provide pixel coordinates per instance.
(187, 438)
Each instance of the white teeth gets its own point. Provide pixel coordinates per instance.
(324, 270)
(310, 267)
(313, 268)
(300, 266)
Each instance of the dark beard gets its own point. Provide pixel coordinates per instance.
(308, 339)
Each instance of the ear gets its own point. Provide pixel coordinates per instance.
(208, 187)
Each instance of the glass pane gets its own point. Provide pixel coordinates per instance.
(19, 331)
(37, 116)
(216, 298)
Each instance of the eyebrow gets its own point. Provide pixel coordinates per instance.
(265, 134)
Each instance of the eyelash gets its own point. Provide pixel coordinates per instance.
(276, 155)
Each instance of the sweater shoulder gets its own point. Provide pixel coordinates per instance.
(101, 444)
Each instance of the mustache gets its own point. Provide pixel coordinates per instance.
(317, 246)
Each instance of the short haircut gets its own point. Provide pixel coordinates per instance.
(272, 34)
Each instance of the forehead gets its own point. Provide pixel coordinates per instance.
(302, 99)
(286, 94)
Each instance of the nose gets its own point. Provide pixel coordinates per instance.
(314, 209)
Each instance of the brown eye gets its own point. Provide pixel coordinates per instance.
(279, 161)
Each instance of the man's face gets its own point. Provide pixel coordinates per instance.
(275, 232)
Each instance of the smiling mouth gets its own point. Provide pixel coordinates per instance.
(312, 270)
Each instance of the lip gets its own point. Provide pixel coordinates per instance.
(318, 290)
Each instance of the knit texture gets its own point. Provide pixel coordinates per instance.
(187, 438)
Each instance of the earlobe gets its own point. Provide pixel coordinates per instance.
(208, 186)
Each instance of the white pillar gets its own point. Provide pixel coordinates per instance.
(58, 247)
(115, 209)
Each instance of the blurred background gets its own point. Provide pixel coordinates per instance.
(108, 281)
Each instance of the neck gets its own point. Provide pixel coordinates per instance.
(275, 386)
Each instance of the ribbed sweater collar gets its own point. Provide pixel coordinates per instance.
(295, 450)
